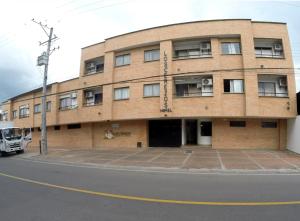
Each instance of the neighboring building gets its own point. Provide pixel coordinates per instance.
(293, 130)
(221, 83)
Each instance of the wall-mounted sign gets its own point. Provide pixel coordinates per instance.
(110, 134)
(165, 105)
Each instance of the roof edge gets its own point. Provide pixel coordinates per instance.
(182, 23)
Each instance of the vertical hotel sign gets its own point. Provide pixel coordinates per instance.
(165, 104)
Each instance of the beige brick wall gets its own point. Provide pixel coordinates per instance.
(249, 137)
(92, 135)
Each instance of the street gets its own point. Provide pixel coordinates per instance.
(31, 199)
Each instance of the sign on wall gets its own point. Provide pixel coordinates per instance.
(165, 104)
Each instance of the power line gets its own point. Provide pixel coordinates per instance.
(182, 74)
(93, 9)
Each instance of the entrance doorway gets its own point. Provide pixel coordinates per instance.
(191, 132)
(164, 133)
(205, 133)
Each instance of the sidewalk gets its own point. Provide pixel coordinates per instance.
(194, 158)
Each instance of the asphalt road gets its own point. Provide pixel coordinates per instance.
(22, 200)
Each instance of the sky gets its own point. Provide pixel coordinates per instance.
(79, 23)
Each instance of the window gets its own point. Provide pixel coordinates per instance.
(93, 96)
(56, 127)
(15, 114)
(151, 90)
(68, 101)
(237, 123)
(272, 85)
(233, 86)
(24, 111)
(5, 116)
(122, 93)
(122, 60)
(269, 124)
(152, 55)
(267, 88)
(74, 126)
(194, 86)
(268, 48)
(48, 106)
(192, 49)
(94, 66)
(37, 108)
(231, 48)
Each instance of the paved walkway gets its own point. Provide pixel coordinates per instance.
(180, 158)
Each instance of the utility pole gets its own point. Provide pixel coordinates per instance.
(44, 60)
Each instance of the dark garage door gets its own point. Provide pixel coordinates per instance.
(165, 133)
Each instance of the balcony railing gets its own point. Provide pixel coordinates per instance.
(200, 55)
(193, 94)
(268, 54)
(272, 94)
(68, 107)
(23, 116)
(91, 104)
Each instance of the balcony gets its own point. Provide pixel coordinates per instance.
(68, 101)
(192, 49)
(94, 66)
(23, 116)
(93, 97)
(194, 86)
(268, 48)
(272, 86)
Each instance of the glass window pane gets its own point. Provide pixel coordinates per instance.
(125, 93)
(225, 48)
(156, 90)
(126, 59)
(147, 90)
(238, 86)
(148, 56)
(117, 94)
(119, 61)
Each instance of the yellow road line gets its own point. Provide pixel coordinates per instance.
(154, 200)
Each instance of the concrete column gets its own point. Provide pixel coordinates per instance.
(198, 131)
(183, 135)
(108, 94)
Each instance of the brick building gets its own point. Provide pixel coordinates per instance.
(219, 83)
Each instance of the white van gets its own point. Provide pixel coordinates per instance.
(14, 139)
